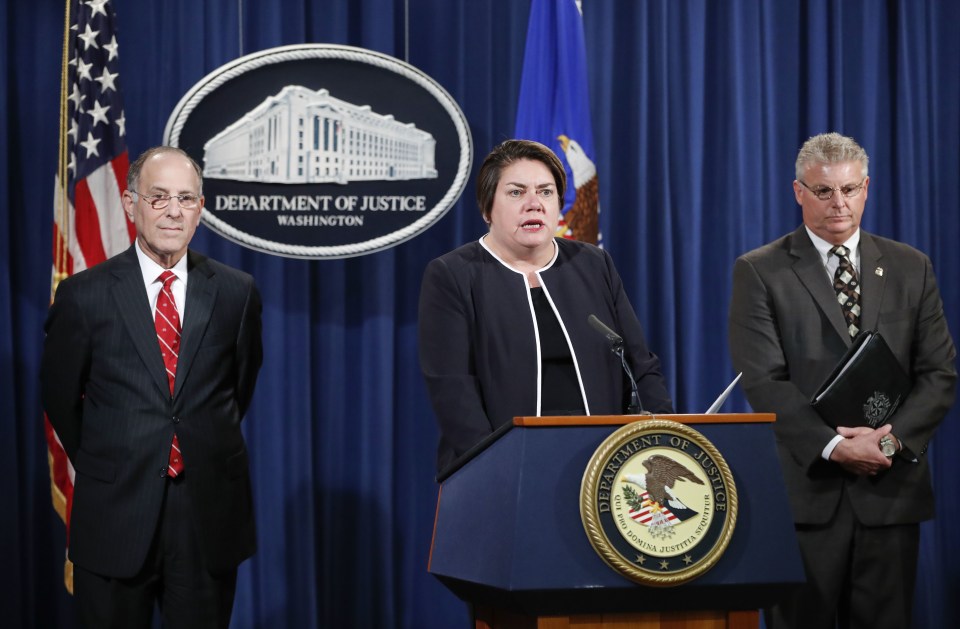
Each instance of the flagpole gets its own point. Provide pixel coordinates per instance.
(61, 226)
(61, 233)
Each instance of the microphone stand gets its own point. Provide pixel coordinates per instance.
(616, 346)
(634, 408)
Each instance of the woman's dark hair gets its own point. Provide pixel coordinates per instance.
(507, 153)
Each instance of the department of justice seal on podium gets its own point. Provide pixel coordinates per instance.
(658, 502)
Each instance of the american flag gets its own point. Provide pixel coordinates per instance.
(89, 222)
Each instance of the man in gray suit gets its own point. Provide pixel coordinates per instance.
(145, 381)
(857, 494)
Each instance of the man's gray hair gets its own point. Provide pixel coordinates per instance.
(830, 148)
(133, 174)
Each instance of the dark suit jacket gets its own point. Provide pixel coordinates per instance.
(786, 334)
(106, 394)
(478, 344)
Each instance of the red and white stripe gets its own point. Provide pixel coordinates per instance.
(649, 511)
(97, 227)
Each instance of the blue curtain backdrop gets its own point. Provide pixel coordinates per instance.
(698, 110)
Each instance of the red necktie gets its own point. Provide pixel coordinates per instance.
(167, 322)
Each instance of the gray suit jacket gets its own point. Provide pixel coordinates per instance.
(786, 333)
(106, 394)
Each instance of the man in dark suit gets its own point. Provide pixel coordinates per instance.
(857, 494)
(162, 509)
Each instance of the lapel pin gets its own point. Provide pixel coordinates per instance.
(879, 271)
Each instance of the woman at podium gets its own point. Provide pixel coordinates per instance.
(503, 320)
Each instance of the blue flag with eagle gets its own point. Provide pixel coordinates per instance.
(554, 109)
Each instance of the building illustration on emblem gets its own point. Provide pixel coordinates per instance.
(304, 136)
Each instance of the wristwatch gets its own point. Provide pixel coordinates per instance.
(888, 446)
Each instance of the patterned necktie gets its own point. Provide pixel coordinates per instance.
(167, 322)
(847, 285)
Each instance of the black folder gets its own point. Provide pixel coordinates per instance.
(866, 387)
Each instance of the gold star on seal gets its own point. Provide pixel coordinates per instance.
(687, 559)
(641, 559)
(664, 565)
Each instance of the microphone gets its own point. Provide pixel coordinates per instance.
(616, 346)
(615, 339)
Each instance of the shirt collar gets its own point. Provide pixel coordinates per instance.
(151, 270)
(824, 247)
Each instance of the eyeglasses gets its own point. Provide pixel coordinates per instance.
(161, 201)
(825, 194)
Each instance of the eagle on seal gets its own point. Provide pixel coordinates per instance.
(662, 474)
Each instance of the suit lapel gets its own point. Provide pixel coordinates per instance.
(809, 268)
(201, 296)
(872, 282)
(133, 305)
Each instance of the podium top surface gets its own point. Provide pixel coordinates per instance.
(619, 420)
(584, 421)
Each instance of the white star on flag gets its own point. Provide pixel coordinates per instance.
(97, 7)
(91, 145)
(112, 48)
(83, 69)
(106, 80)
(99, 113)
(89, 37)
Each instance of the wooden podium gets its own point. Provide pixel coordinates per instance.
(508, 536)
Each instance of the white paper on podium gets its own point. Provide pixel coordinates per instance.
(723, 396)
